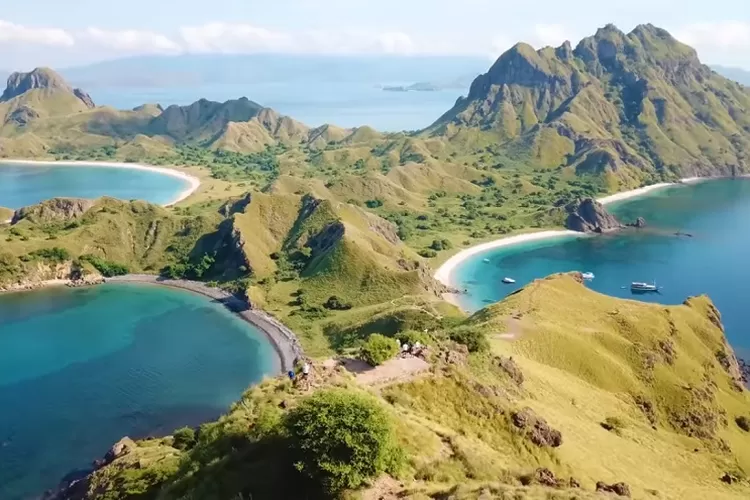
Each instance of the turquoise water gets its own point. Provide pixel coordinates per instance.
(80, 368)
(714, 261)
(22, 185)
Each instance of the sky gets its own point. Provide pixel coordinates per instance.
(62, 34)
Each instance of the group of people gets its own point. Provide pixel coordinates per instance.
(414, 350)
(305, 375)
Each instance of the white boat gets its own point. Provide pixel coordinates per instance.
(508, 281)
(643, 287)
(587, 276)
(486, 261)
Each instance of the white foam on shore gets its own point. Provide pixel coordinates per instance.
(194, 182)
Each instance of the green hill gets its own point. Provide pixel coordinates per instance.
(626, 106)
(638, 397)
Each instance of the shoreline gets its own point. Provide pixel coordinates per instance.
(194, 182)
(283, 340)
(444, 273)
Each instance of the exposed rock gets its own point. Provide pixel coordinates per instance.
(119, 449)
(729, 478)
(455, 354)
(743, 423)
(667, 350)
(54, 210)
(511, 368)
(21, 116)
(620, 489)
(590, 216)
(639, 223)
(83, 96)
(647, 407)
(235, 206)
(536, 428)
(545, 477)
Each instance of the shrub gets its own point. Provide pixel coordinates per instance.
(428, 253)
(184, 438)
(107, 268)
(374, 203)
(335, 304)
(340, 439)
(441, 245)
(54, 254)
(613, 424)
(378, 349)
(474, 340)
(411, 337)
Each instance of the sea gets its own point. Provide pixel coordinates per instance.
(708, 256)
(346, 104)
(23, 185)
(81, 368)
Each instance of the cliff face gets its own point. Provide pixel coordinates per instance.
(590, 216)
(629, 105)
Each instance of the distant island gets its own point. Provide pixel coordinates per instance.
(414, 87)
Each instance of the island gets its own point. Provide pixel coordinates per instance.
(556, 391)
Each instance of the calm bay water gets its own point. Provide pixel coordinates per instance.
(79, 369)
(714, 261)
(22, 185)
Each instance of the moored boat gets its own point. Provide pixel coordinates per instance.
(508, 281)
(587, 276)
(637, 286)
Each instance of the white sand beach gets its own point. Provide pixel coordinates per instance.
(193, 181)
(444, 272)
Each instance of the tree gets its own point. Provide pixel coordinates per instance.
(340, 439)
(184, 438)
(378, 349)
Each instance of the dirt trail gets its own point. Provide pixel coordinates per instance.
(402, 369)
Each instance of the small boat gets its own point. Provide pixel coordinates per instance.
(508, 281)
(587, 276)
(486, 261)
(643, 287)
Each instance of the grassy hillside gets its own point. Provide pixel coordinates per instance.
(664, 427)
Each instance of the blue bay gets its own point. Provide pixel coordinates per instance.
(80, 368)
(713, 261)
(23, 185)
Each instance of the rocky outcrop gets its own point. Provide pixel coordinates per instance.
(83, 96)
(589, 216)
(235, 206)
(511, 368)
(54, 210)
(620, 489)
(536, 428)
(639, 223)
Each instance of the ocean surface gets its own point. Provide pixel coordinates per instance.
(23, 185)
(714, 261)
(81, 368)
(346, 104)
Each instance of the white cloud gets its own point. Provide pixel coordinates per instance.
(16, 33)
(724, 42)
(130, 40)
(239, 38)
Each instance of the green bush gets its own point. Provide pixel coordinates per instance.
(54, 254)
(184, 438)
(411, 337)
(107, 268)
(378, 349)
(340, 440)
(335, 304)
(428, 253)
(474, 340)
(441, 245)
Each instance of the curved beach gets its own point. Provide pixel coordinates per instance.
(445, 272)
(194, 182)
(284, 341)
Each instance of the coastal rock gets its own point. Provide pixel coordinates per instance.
(639, 223)
(589, 216)
(54, 210)
(119, 449)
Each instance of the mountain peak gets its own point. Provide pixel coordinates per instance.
(41, 78)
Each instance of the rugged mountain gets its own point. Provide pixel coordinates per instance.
(628, 106)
